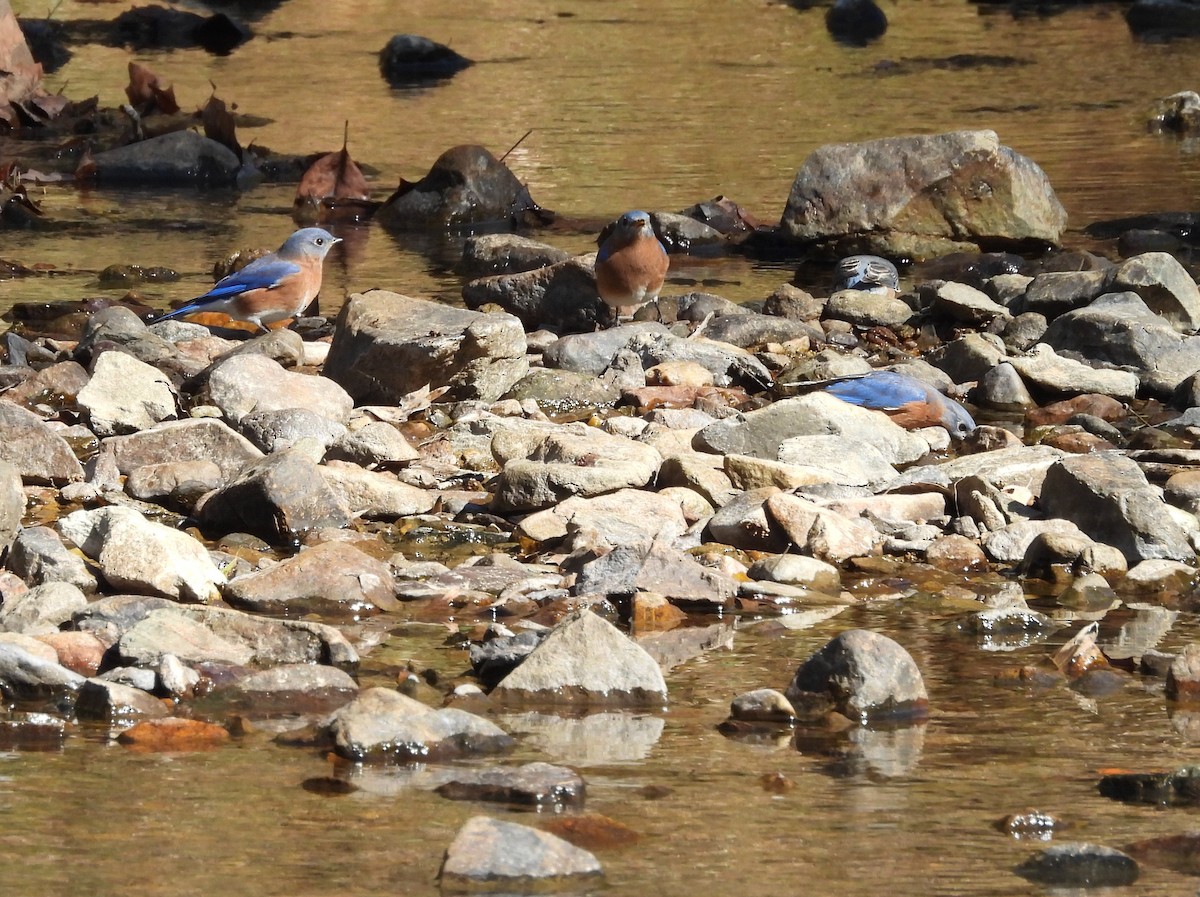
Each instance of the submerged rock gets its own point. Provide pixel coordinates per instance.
(1080, 865)
(540, 785)
(180, 158)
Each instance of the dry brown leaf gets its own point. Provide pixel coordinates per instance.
(335, 189)
(147, 93)
(219, 124)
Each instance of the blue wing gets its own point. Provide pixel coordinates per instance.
(880, 389)
(260, 274)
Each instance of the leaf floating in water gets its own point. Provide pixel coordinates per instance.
(147, 93)
(335, 189)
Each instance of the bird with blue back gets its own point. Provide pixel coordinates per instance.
(631, 264)
(278, 285)
(868, 274)
(909, 402)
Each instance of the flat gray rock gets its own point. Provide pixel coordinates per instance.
(104, 700)
(199, 439)
(38, 556)
(42, 609)
(126, 395)
(242, 384)
(540, 785)
(1047, 371)
(25, 676)
(328, 579)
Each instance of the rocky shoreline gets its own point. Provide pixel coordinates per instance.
(203, 532)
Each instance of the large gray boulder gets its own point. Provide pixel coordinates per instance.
(561, 297)
(1108, 497)
(38, 453)
(960, 191)
(387, 345)
(493, 855)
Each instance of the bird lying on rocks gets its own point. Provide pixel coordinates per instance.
(908, 401)
(631, 264)
(278, 285)
(868, 273)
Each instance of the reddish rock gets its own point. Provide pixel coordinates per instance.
(173, 734)
(1104, 407)
(80, 652)
(956, 553)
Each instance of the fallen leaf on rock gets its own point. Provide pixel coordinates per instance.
(219, 124)
(147, 93)
(334, 189)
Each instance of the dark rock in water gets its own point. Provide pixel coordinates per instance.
(47, 42)
(491, 855)
(847, 200)
(1178, 788)
(147, 27)
(1179, 113)
(865, 675)
(410, 60)
(486, 254)
(723, 214)
(855, 22)
(1179, 853)
(539, 785)
(103, 700)
(26, 677)
(32, 731)
(1163, 19)
(467, 187)
(1080, 865)
(181, 158)
(495, 659)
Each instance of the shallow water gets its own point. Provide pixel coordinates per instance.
(631, 105)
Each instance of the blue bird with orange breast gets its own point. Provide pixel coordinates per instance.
(278, 285)
(631, 264)
(906, 400)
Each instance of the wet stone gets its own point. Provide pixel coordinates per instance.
(31, 732)
(384, 725)
(103, 700)
(25, 676)
(173, 734)
(865, 675)
(1080, 865)
(1181, 787)
(492, 855)
(289, 688)
(540, 785)
(763, 705)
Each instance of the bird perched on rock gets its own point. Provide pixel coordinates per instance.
(631, 264)
(278, 285)
(908, 401)
(868, 273)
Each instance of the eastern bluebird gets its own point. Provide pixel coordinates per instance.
(868, 273)
(631, 264)
(278, 285)
(906, 400)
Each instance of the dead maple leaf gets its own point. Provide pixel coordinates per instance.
(147, 93)
(335, 188)
(20, 76)
(219, 124)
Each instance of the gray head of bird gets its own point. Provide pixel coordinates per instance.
(313, 242)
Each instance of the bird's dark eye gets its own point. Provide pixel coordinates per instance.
(320, 241)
